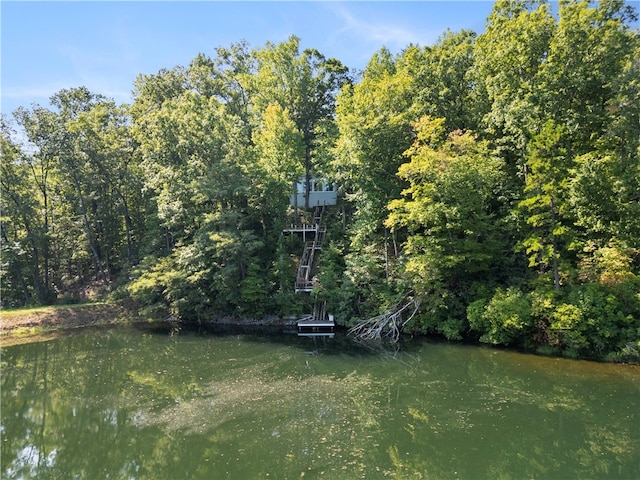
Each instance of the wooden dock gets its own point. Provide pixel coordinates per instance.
(319, 324)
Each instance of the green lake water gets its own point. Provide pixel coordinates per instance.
(136, 404)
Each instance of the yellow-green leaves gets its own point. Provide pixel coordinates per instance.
(449, 207)
(279, 145)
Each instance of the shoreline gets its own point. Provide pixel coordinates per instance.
(38, 324)
(43, 323)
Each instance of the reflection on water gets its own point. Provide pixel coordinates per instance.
(140, 405)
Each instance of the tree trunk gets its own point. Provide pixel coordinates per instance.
(307, 138)
(395, 244)
(92, 243)
(386, 253)
(42, 180)
(127, 229)
(307, 176)
(45, 240)
(295, 202)
(554, 244)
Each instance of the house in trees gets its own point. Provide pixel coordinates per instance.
(321, 193)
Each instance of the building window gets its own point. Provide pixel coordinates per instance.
(315, 185)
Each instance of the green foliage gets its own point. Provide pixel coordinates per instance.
(305, 85)
(508, 59)
(495, 176)
(504, 319)
(279, 146)
(331, 283)
(20, 229)
(449, 216)
(544, 206)
(374, 119)
(565, 327)
(445, 84)
(603, 193)
(591, 320)
(253, 294)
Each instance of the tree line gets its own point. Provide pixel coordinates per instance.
(494, 177)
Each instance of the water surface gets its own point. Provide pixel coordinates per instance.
(142, 405)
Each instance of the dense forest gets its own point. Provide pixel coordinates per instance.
(493, 177)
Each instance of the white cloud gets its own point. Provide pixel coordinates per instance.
(104, 73)
(107, 68)
(376, 30)
(32, 91)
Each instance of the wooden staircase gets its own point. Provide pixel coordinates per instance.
(304, 279)
(319, 323)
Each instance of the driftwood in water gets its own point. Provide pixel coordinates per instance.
(389, 325)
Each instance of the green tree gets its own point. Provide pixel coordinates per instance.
(504, 320)
(374, 119)
(588, 51)
(546, 204)
(508, 58)
(451, 215)
(40, 127)
(106, 140)
(227, 77)
(445, 84)
(22, 230)
(279, 148)
(193, 161)
(76, 172)
(304, 83)
(603, 193)
(77, 151)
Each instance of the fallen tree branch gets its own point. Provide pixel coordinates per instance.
(388, 325)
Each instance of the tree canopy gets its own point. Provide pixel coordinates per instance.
(494, 175)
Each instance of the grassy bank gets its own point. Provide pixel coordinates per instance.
(41, 323)
(34, 324)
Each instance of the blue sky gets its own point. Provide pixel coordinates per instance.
(47, 46)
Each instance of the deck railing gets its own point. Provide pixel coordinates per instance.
(304, 280)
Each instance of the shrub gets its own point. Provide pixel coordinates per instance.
(505, 319)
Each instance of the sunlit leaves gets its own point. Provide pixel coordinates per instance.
(508, 57)
(505, 319)
(448, 208)
(449, 215)
(280, 156)
(609, 265)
